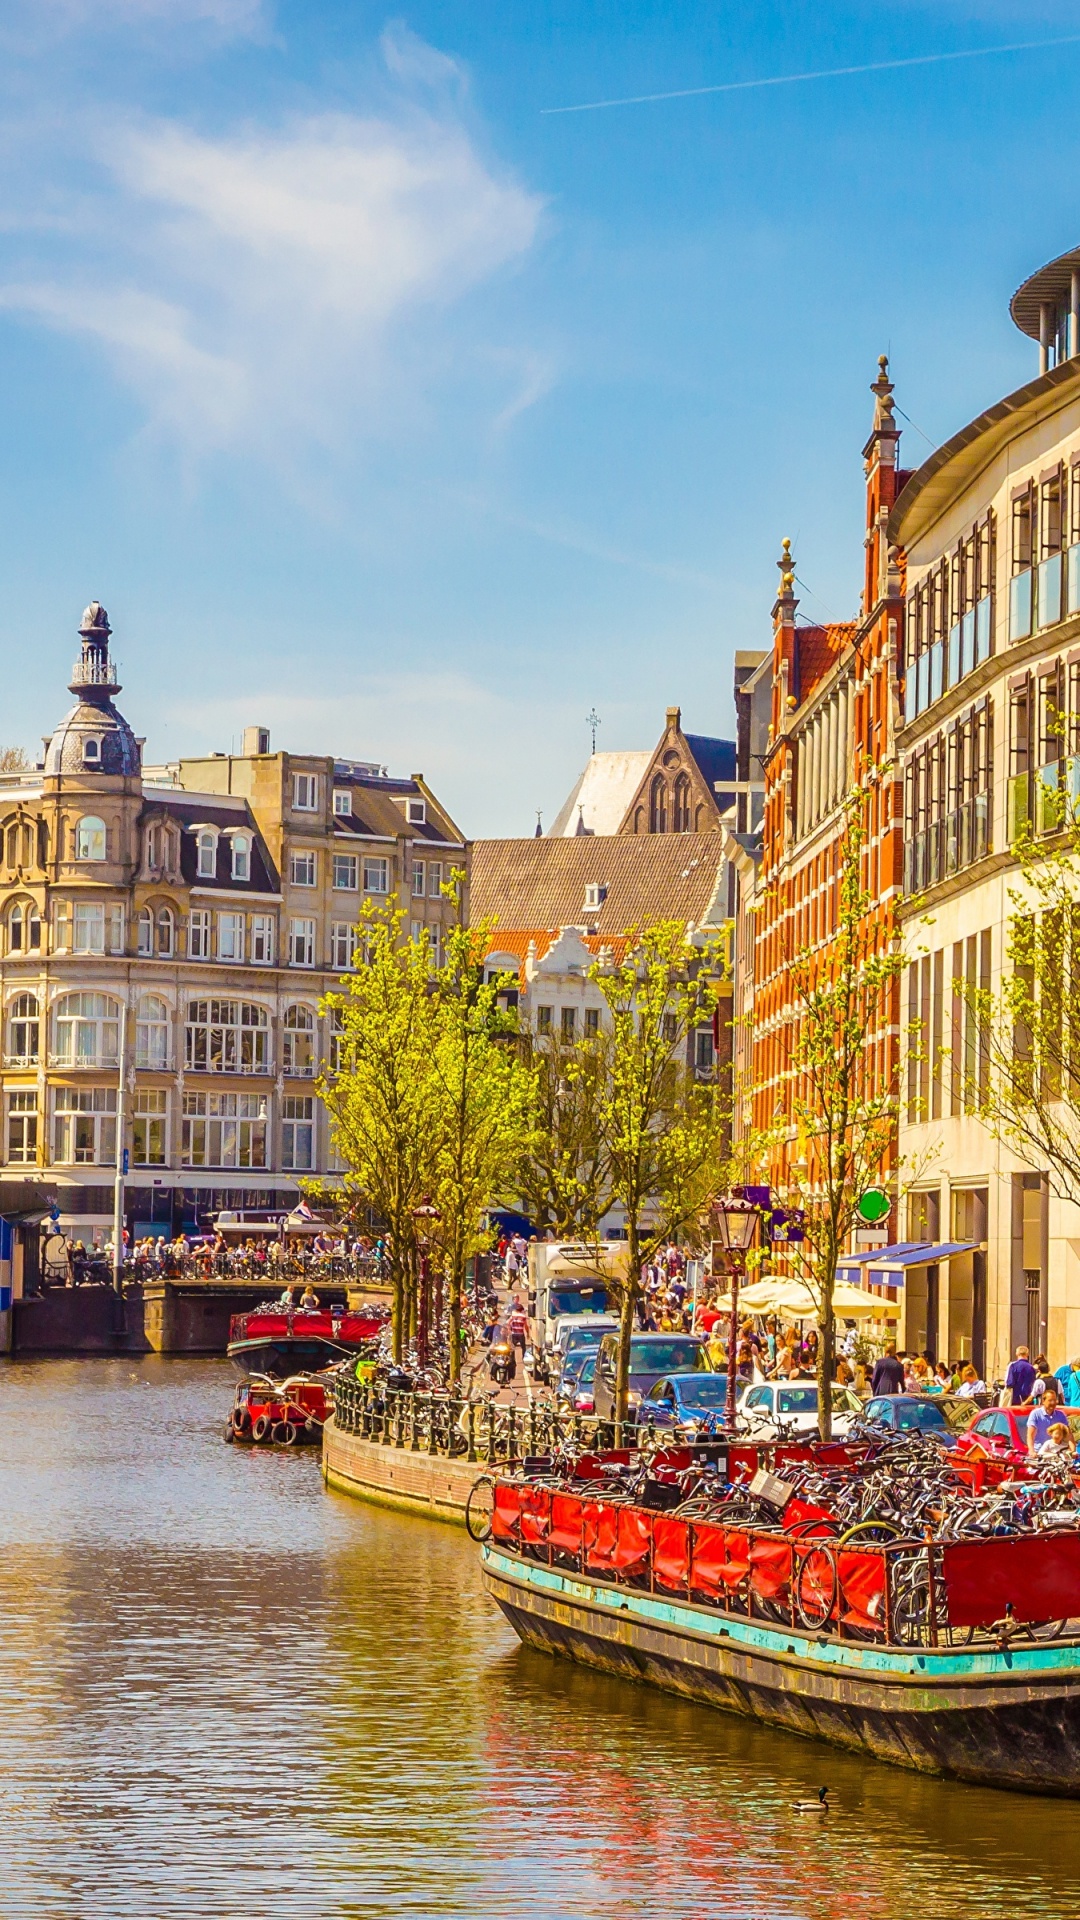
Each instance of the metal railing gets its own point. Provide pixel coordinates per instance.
(457, 1427)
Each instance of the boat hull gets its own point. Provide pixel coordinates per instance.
(1002, 1719)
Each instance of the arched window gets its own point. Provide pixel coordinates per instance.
(166, 932)
(680, 813)
(23, 928)
(241, 857)
(152, 1033)
(16, 928)
(12, 847)
(90, 838)
(226, 1036)
(146, 932)
(206, 845)
(337, 1040)
(23, 1029)
(92, 751)
(658, 805)
(298, 1049)
(86, 1030)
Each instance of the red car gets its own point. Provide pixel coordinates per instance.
(1001, 1432)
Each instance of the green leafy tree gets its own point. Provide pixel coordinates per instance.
(481, 1101)
(1020, 1066)
(663, 1133)
(565, 1179)
(381, 1091)
(837, 1135)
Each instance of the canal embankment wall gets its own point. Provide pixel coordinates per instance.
(400, 1477)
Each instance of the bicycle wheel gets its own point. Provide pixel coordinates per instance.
(816, 1588)
(867, 1532)
(479, 1508)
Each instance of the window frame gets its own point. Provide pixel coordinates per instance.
(91, 833)
(306, 784)
(302, 933)
(377, 862)
(303, 867)
(345, 863)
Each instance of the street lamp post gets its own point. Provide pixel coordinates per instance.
(736, 1225)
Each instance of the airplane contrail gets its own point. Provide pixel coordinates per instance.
(827, 73)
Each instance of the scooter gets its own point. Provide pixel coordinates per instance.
(501, 1360)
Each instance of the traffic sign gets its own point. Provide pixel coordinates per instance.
(873, 1206)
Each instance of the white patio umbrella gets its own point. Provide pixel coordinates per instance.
(796, 1300)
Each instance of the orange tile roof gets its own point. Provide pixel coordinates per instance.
(518, 941)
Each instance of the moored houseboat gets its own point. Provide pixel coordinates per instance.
(959, 1658)
(278, 1341)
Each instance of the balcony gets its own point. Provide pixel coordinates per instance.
(99, 671)
(948, 845)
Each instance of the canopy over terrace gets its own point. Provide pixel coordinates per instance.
(887, 1266)
(798, 1300)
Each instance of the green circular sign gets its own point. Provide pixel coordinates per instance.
(873, 1206)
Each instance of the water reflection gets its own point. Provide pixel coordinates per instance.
(224, 1692)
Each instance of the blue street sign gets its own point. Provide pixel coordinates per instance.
(125, 1165)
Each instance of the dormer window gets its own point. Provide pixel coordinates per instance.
(241, 857)
(416, 811)
(342, 803)
(92, 751)
(206, 854)
(595, 895)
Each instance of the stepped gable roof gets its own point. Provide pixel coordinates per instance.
(515, 944)
(193, 810)
(647, 877)
(602, 794)
(819, 649)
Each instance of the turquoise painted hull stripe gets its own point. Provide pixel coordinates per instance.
(1051, 1658)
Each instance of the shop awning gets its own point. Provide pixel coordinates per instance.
(886, 1266)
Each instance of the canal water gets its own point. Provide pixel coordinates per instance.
(228, 1695)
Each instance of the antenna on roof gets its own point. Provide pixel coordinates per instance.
(539, 834)
(593, 720)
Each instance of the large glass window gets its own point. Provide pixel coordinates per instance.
(224, 1130)
(434, 879)
(376, 876)
(199, 934)
(302, 868)
(262, 940)
(298, 1132)
(22, 1128)
(89, 926)
(84, 1126)
(149, 1127)
(152, 1033)
(345, 872)
(206, 863)
(230, 942)
(342, 945)
(305, 792)
(90, 838)
(298, 1041)
(24, 1027)
(86, 1030)
(226, 1036)
(301, 943)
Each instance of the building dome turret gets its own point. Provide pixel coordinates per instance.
(94, 737)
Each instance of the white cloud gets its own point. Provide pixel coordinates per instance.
(228, 16)
(267, 283)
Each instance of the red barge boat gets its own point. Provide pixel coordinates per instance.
(278, 1341)
(957, 1657)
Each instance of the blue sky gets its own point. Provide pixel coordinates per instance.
(380, 405)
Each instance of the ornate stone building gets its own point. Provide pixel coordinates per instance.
(172, 930)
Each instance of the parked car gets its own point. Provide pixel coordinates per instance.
(652, 1355)
(1002, 1431)
(792, 1405)
(904, 1412)
(689, 1400)
(576, 1385)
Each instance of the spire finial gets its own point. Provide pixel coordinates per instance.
(882, 389)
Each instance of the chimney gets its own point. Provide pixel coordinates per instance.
(255, 740)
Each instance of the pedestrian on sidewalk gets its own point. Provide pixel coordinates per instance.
(888, 1373)
(1019, 1379)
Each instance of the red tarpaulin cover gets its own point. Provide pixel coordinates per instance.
(770, 1566)
(535, 1514)
(567, 1511)
(671, 1544)
(634, 1539)
(862, 1589)
(1038, 1577)
(504, 1519)
(709, 1559)
(601, 1533)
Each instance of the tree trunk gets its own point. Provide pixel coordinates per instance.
(626, 1321)
(826, 1354)
(457, 1285)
